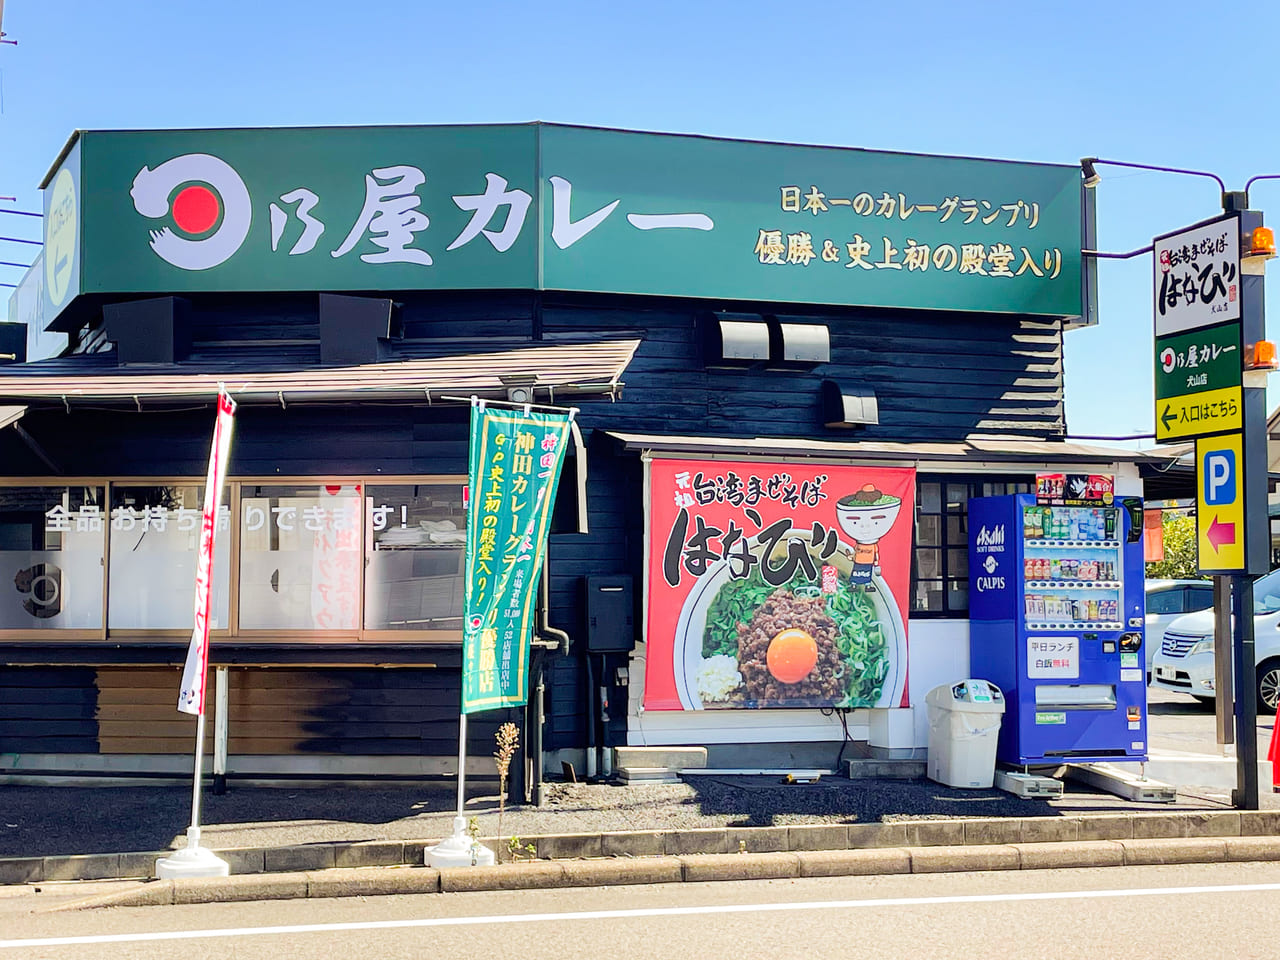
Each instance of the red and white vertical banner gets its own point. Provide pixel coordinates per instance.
(191, 694)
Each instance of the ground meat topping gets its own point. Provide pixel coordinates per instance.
(781, 611)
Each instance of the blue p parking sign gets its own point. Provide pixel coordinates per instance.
(1219, 477)
(1220, 504)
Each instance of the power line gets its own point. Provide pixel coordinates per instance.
(38, 243)
(10, 263)
(22, 213)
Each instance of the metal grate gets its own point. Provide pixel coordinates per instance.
(1177, 644)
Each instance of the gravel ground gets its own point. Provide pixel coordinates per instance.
(60, 820)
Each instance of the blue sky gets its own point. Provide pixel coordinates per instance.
(1048, 82)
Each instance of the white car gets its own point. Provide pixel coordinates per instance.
(1167, 600)
(1184, 662)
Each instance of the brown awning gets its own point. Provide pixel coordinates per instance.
(562, 370)
(975, 450)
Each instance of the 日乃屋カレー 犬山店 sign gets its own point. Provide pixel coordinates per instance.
(540, 206)
(777, 585)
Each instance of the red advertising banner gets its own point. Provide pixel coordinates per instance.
(1075, 489)
(191, 691)
(777, 585)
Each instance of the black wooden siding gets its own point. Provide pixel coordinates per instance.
(937, 377)
(279, 711)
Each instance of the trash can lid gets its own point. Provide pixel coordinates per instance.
(967, 696)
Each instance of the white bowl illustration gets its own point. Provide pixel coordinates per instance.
(867, 515)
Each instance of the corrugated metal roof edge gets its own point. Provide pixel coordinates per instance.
(1009, 450)
(566, 369)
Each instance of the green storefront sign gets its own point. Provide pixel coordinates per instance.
(1196, 362)
(541, 206)
(514, 469)
(1199, 382)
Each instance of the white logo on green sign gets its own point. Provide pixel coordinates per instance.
(61, 233)
(1050, 718)
(212, 196)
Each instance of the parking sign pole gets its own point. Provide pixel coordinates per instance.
(1257, 528)
(1224, 700)
(1246, 794)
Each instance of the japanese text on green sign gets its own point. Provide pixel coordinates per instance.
(514, 469)
(551, 207)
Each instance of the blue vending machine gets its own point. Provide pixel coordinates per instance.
(1056, 608)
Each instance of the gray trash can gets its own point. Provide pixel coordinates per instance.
(964, 725)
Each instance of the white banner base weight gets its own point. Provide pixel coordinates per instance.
(192, 860)
(459, 850)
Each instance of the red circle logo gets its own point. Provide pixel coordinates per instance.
(195, 209)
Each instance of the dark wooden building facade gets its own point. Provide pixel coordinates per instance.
(357, 402)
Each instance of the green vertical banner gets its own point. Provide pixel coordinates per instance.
(515, 462)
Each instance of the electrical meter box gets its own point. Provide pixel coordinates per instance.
(610, 607)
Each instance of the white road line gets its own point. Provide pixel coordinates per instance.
(634, 914)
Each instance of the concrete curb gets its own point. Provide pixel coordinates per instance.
(945, 837)
(689, 868)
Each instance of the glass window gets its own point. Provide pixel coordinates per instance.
(300, 557)
(52, 541)
(1165, 601)
(414, 557)
(1199, 598)
(940, 577)
(927, 597)
(930, 498)
(155, 545)
(928, 531)
(929, 564)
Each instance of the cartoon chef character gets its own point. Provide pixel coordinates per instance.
(866, 516)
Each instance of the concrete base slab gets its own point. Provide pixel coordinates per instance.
(1028, 785)
(1121, 782)
(671, 758)
(648, 775)
(873, 769)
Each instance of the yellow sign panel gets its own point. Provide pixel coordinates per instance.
(1220, 504)
(1195, 414)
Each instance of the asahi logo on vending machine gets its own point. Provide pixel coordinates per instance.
(990, 541)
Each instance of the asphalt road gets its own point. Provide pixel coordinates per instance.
(1202, 911)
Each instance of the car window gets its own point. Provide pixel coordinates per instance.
(1199, 598)
(1164, 601)
(1266, 593)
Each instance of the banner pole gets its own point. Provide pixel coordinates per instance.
(194, 860)
(193, 831)
(462, 763)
